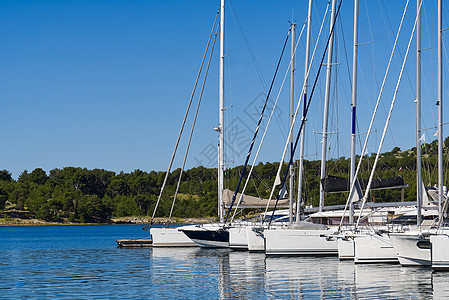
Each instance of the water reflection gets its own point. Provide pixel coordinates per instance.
(295, 277)
(243, 275)
(232, 274)
(392, 281)
(75, 262)
(440, 285)
(246, 275)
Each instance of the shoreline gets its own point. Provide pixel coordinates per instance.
(115, 221)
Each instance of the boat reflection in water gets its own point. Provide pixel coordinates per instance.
(222, 273)
(439, 285)
(330, 278)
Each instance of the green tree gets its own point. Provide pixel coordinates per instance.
(5, 176)
(19, 195)
(50, 210)
(38, 176)
(125, 206)
(143, 202)
(93, 209)
(3, 198)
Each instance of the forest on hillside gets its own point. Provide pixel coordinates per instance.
(82, 195)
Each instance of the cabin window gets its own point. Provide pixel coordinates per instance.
(423, 244)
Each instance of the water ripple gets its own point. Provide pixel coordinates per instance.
(82, 262)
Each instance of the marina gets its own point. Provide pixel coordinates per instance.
(69, 262)
(373, 225)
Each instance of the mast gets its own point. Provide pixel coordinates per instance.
(440, 114)
(387, 122)
(354, 101)
(292, 94)
(301, 150)
(418, 114)
(221, 118)
(326, 104)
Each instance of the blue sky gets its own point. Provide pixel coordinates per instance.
(105, 84)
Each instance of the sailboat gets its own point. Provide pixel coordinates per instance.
(306, 238)
(440, 241)
(371, 245)
(238, 232)
(214, 235)
(218, 235)
(375, 246)
(413, 246)
(256, 233)
(166, 236)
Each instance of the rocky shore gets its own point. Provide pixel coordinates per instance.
(23, 218)
(147, 220)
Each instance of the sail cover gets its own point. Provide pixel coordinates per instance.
(251, 201)
(333, 184)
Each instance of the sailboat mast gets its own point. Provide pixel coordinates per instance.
(221, 118)
(292, 95)
(354, 100)
(326, 104)
(301, 150)
(440, 113)
(418, 114)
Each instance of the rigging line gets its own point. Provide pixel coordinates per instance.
(306, 110)
(446, 58)
(358, 138)
(268, 123)
(426, 100)
(259, 72)
(444, 9)
(373, 116)
(335, 97)
(365, 197)
(371, 57)
(261, 179)
(372, 47)
(251, 54)
(400, 52)
(229, 156)
(193, 125)
(257, 130)
(375, 82)
(369, 23)
(257, 190)
(185, 117)
(346, 54)
(297, 107)
(434, 117)
(384, 13)
(281, 124)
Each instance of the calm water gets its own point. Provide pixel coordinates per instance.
(83, 262)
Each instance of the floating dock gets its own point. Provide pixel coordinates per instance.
(139, 243)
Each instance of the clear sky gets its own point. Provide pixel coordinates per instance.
(105, 84)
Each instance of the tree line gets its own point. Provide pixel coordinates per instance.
(82, 195)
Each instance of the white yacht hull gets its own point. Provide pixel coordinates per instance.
(299, 242)
(255, 238)
(237, 238)
(440, 252)
(412, 249)
(207, 235)
(170, 237)
(345, 247)
(373, 248)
